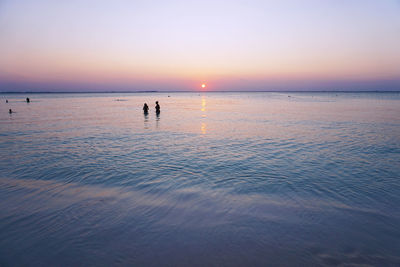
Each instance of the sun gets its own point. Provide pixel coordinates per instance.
(203, 86)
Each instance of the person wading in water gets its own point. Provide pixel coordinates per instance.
(145, 108)
(157, 108)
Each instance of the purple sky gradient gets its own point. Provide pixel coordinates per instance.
(178, 45)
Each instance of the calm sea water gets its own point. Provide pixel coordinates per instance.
(217, 179)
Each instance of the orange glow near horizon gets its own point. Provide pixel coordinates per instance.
(203, 86)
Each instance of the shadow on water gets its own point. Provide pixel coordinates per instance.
(146, 119)
(157, 119)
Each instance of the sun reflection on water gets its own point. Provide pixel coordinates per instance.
(203, 128)
(203, 115)
(203, 104)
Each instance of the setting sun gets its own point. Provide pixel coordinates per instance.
(203, 86)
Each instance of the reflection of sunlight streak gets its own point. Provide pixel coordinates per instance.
(203, 109)
(203, 103)
(203, 128)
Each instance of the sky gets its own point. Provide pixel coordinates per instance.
(173, 45)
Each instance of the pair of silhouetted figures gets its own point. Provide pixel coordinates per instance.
(146, 108)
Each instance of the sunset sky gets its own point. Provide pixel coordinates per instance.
(180, 45)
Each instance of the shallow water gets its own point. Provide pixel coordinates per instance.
(217, 179)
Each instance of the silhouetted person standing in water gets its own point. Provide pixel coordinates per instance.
(28, 100)
(145, 108)
(157, 108)
(6, 100)
(10, 111)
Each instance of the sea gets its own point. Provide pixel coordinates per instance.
(215, 179)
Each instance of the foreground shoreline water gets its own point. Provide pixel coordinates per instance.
(218, 179)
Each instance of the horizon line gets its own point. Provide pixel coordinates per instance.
(216, 91)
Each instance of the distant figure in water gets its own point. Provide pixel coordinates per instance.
(145, 108)
(6, 100)
(28, 100)
(10, 111)
(157, 108)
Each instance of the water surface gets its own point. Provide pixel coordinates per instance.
(217, 179)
